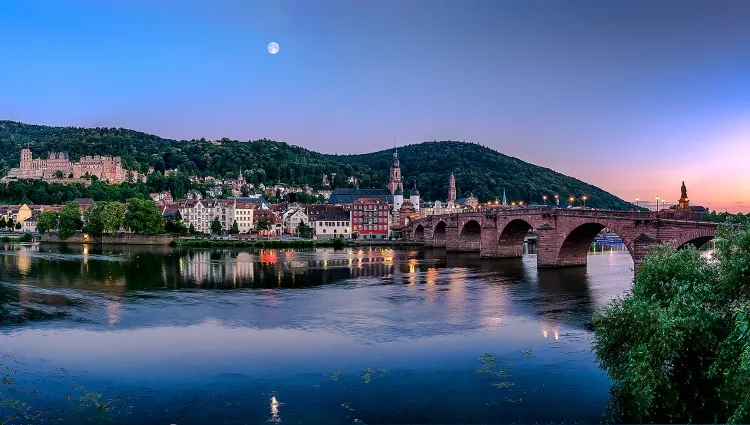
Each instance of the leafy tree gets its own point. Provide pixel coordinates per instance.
(3, 223)
(142, 216)
(191, 229)
(263, 224)
(18, 226)
(235, 229)
(304, 230)
(10, 224)
(171, 226)
(70, 220)
(677, 347)
(92, 220)
(113, 215)
(46, 221)
(216, 226)
(59, 174)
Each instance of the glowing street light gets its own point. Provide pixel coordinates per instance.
(572, 199)
(584, 197)
(512, 204)
(636, 202)
(657, 203)
(544, 198)
(520, 203)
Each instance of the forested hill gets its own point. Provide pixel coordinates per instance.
(478, 169)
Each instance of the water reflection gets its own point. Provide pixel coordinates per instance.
(267, 325)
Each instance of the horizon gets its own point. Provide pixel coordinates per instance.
(630, 97)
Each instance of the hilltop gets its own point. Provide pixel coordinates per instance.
(478, 169)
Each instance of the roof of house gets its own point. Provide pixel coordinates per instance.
(254, 199)
(698, 208)
(84, 201)
(368, 201)
(344, 195)
(334, 215)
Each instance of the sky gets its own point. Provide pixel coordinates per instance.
(632, 96)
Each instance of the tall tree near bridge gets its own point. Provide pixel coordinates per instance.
(677, 348)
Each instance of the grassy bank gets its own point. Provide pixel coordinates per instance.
(26, 237)
(207, 243)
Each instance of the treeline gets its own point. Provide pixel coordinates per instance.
(726, 217)
(102, 218)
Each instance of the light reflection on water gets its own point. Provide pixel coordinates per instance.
(219, 333)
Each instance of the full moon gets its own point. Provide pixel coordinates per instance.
(273, 47)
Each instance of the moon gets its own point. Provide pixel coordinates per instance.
(273, 47)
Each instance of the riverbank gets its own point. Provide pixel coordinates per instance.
(118, 239)
(267, 243)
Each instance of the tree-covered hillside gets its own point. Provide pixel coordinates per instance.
(480, 170)
(262, 161)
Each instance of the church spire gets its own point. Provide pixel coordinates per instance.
(505, 201)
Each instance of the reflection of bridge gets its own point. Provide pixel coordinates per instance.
(563, 236)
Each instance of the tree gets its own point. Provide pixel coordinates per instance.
(142, 216)
(92, 220)
(113, 215)
(677, 347)
(70, 220)
(10, 224)
(3, 223)
(304, 230)
(18, 226)
(216, 226)
(235, 228)
(191, 229)
(59, 174)
(46, 221)
(263, 224)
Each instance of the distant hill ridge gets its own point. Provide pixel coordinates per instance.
(478, 169)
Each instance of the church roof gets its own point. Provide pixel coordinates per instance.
(343, 195)
(394, 161)
(398, 192)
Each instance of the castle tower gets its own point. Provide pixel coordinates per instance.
(398, 199)
(452, 189)
(26, 159)
(414, 196)
(395, 181)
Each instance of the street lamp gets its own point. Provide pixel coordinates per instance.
(512, 204)
(572, 199)
(520, 203)
(657, 204)
(636, 202)
(544, 198)
(584, 197)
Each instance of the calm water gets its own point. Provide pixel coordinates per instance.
(177, 336)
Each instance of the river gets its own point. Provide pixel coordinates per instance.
(158, 335)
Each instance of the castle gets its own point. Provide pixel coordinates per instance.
(105, 168)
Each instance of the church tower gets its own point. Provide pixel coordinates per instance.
(414, 196)
(684, 203)
(452, 189)
(395, 181)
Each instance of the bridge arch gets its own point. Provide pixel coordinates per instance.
(697, 238)
(438, 233)
(419, 233)
(576, 243)
(470, 236)
(511, 237)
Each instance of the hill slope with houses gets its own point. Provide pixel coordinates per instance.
(479, 170)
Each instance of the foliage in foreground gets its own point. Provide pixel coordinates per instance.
(677, 347)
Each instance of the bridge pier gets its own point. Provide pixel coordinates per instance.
(452, 239)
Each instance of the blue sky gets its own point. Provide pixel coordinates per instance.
(631, 96)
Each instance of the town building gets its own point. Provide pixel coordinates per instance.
(59, 168)
(161, 197)
(333, 224)
(201, 213)
(273, 221)
(244, 213)
(370, 218)
(291, 219)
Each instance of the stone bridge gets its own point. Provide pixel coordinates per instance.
(564, 236)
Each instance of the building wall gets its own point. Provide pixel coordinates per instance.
(333, 229)
(370, 217)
